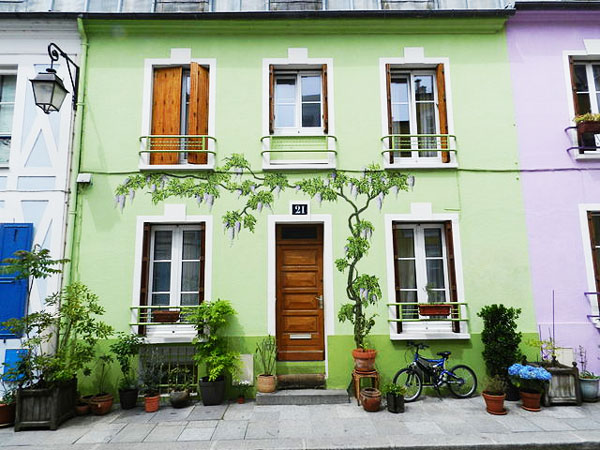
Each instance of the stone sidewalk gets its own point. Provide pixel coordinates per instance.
(427, 423)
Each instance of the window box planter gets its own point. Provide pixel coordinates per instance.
(165, 316)
(434, 309)
(588, 127)
(45, 408)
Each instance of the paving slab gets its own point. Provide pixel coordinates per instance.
(101, 433)
(136, 415)
(133, 432)
(172, 414)
(196, 434)
(262, 430)
(230, 429)
(165, 433)
(201, 412)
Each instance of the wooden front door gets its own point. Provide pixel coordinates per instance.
(300, 333)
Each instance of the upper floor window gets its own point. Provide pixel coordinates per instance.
(8, 84)
(298, 101)
(179, 109)
(417, 118)
(585, 80)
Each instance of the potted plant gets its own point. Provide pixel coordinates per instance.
(7, 400)
(494, 395)
(394, 395)
(434, 309)
(82, 407)
(587, 123)
(242, 388)
(59, 342)
(370, 399)
(151, 377)
(165, 315)
(531, 381)
(266, 352)
(179, 383)
(125, 349)
(501, 342)
(588, 381)
(212, 348)
(101, 403)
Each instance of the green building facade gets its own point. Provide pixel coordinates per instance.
(302, 95)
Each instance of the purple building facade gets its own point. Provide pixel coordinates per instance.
(555, 68)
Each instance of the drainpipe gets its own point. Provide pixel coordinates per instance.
(70, 271)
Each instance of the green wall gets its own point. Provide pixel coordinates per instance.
(484, 191)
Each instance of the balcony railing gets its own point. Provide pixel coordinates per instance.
(190, 150)
(412, 312)
(150, 315)
(419, 149)
(308, 152)
(170, 6)
(581, 142)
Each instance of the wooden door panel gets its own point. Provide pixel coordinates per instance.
(300, 329)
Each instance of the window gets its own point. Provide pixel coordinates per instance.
(416, 111)
(423, 266)
(175, 265)
(13, 292)
(180, 109)
(594, 226)
(7, 106)
(585, 81)
(298, 101)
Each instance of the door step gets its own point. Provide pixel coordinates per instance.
(303, 397)
(301, 381)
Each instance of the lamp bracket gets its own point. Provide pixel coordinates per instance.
(55, 52)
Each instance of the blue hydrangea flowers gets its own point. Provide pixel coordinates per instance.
(529, 372)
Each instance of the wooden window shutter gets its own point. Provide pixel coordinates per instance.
(388, 87)
(325, 99)
(441, 89)
(166, 113)
(593, 243)
(452, 274)
(145, 279)
(271, 99)
(198, 113)
(396, 280)
(201, 292)
(576, 107)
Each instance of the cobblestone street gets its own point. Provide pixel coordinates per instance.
(428, 423)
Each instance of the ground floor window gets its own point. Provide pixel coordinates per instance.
(594, 224)
(423, 266)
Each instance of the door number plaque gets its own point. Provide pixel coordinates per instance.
(299, 209)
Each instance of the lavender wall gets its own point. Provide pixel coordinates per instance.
(554, 183)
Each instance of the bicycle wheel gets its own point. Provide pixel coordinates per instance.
(410, 379)
(462, 381)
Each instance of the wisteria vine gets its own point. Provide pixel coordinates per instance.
(259, 191)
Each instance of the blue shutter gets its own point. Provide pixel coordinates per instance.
(13, 293)
(11, 361)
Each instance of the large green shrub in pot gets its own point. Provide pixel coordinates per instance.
(500, 338)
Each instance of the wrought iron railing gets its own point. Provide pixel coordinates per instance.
(400, 146)
(578, 138)
(180, 144)
(307, 146)
(161, 315)
(414, 312)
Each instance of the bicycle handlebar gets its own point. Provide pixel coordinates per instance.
(417, 345)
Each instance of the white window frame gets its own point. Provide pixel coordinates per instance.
(176, 260)
(415, 157)
(421, 213)
(414, 61)
(4, 72)
(180, 57)
(586, 240)
(298, 129)
(421, 258)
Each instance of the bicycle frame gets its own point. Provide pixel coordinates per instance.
(431, 376)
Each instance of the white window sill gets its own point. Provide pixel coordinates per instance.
(299, 165)
(420, 165)
(416, 336)
(4, 166)
(176, 167)
(587, 156)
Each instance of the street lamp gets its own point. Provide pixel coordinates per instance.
(49, 91)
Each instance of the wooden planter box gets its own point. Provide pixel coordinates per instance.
(165, 316)
(45, 408)
(564, 387)
(434, 309)
(588, 127)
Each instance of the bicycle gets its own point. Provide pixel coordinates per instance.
(461, 379)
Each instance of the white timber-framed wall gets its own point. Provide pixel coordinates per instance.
(34, 182)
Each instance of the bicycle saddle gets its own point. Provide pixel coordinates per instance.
(444, 354)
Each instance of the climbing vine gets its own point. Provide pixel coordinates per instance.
(258, 191)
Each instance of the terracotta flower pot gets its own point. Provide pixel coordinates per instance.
(101, 404)
(241, 399)
(151, 404)
(370, 399)
(82, 409)
(531, 401)
(266, 383)
(364, 360)
(494, 404)
(7, 414)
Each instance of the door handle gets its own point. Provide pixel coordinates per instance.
(320, 300)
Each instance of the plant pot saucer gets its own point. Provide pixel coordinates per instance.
(531, 409)
(498, 413)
